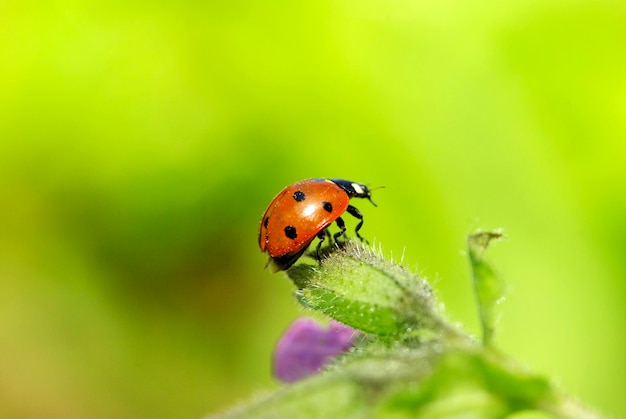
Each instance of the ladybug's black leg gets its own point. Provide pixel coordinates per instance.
(342, 229)
(329, 236)
(322, 236)
(356, 213)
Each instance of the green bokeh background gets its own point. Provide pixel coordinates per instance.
(141, 142)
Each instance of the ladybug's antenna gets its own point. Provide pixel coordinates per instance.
(369, 196)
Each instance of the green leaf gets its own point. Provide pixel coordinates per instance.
(489, 288)
(467, 383)
(357, 287)
(380, 320)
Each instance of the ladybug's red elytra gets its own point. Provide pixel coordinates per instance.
(303, 211)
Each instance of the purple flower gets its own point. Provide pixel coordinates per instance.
(307, 346)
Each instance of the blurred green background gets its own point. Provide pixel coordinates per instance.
(141, 143)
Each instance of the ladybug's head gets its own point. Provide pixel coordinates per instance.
(355, 190)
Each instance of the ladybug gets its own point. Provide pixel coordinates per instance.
(303, 211)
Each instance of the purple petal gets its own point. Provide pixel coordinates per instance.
(307, 346)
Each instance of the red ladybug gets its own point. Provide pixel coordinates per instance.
(303, 211)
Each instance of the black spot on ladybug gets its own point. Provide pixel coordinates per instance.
(267, 219)
(328, 207)
(290, 232)
(299, 196)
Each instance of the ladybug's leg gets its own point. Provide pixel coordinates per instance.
(356, 213)
(342, 229)
(322, 236)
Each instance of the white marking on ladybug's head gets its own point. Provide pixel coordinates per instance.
(358, 189)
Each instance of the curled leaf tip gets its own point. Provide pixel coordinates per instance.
(479, 241)
(488, 286)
